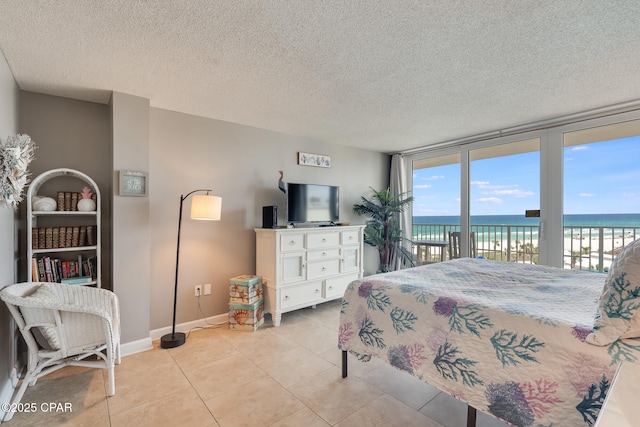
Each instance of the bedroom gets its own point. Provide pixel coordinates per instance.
(233, 245)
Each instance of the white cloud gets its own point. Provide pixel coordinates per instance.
(586, 194)
(515, 193)
(579, 148)
(489, 200)
(423, 186)
(481, 183)
(431, 178)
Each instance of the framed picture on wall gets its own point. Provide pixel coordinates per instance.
(133, 183)
(309, 159)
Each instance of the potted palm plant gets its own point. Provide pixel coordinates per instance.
(383, 228)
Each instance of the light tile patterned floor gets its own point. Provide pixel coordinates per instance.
(285, 376)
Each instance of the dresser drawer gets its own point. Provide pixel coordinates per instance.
(318, 269)
(322, 240)
(323, 254)
(335, 286)
(291, 242)
(300, 294)
(351, 237)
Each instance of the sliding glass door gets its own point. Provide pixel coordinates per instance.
(504, 185)
(436, 206)
(601, 194)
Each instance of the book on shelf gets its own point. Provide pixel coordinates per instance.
(62, 237)
(35, 276)
(34, 237)
(62, 242)
(77, 280)
(47, 269)
(83, 236)
(67, 201)
(41, 238)
(60, 201)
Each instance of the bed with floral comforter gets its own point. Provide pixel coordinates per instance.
(513, 340)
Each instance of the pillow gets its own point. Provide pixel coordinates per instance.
(45, 336)
(618, 315)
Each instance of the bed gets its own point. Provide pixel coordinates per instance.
(530, 345)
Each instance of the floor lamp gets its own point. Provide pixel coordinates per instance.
(206, 207)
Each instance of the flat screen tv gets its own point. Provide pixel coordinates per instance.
(312, 203)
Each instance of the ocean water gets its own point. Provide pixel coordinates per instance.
(586, 220)
(520, 225)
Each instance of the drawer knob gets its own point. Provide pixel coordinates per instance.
(330, 288)
(317, 291)
(286, 297)
(350, 237)
(293, 242)
(324, 268)
(324, 254)
(324, 240)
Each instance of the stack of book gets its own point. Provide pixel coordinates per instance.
(68, 200)
(62, 237)
(80, 271)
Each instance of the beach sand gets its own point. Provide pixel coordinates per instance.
(589, 250)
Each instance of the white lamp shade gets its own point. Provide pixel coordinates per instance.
(204, 206)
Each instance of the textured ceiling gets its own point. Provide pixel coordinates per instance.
(385, 75)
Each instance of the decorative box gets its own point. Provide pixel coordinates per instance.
(246, 317)
(245, 289)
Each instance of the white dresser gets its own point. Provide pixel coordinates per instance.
(306, 266)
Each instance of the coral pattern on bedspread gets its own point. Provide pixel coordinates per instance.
(506, 338)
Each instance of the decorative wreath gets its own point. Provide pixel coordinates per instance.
(16, 152)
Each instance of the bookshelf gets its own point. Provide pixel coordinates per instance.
(63, 243)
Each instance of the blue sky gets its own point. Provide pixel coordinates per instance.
(602, 177)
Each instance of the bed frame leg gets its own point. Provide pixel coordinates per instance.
(344, 364)
(471, 416)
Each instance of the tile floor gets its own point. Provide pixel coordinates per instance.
(285, 376)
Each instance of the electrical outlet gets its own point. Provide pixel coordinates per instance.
(198, 290)
(207, 288)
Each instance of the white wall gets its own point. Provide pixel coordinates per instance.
(240, 164)
(8, 240)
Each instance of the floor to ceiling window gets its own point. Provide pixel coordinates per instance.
(582, 178)
(436, 205)
(601, 194)
(504, 185)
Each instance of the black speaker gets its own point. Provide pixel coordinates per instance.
(269, 217)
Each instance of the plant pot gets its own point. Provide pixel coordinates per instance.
(86, 205)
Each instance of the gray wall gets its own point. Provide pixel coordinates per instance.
(182, 153)
(240, 164)
(9, 96)
(130, 216)
(69, 134)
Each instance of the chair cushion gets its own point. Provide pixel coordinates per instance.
(45, 336)
(619, 304)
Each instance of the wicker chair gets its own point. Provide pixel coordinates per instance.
(63, 325)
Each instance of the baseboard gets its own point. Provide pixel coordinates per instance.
(138, 346)
(6, 391)
(188, 326)
(133, 347)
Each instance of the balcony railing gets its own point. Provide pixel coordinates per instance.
(585, 247)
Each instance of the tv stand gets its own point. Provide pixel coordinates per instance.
(307, 266)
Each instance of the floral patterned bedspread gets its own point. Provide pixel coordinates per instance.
(506, 338)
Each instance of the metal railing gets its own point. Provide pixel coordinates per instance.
(585, 247)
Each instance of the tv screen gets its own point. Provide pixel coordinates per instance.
(312, 203)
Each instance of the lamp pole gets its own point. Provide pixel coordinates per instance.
(176, 339)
